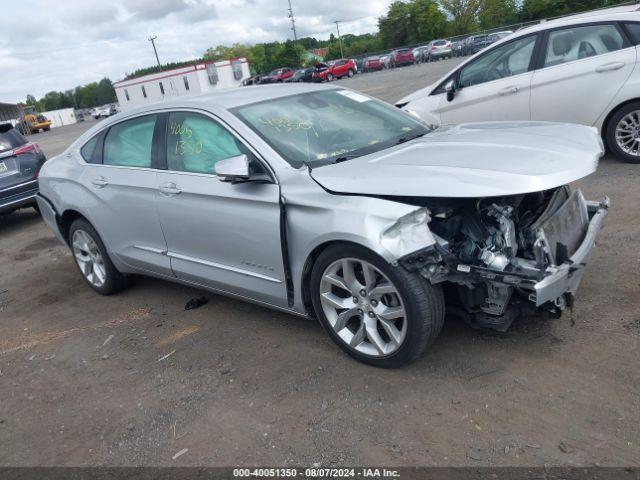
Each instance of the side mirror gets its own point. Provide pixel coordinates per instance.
(450, 88)
(234, 169)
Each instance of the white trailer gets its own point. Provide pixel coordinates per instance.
(64, 116)
(191, 80)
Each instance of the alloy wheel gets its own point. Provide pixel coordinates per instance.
(88, 257)
(363, 307)
(628, 133)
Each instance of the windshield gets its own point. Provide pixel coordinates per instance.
(322, 127)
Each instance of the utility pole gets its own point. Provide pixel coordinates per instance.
(337, 22)
(152, 40)
(293, 23)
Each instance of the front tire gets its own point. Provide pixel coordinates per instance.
(93, 261)
(378, 314)
(350, 73)
(330, 77)
(623, 133)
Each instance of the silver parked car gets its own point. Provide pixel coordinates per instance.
(324, 202)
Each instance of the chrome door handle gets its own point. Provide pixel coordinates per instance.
(509, 90)
(99, 182)
(610, 67)
(169, 188)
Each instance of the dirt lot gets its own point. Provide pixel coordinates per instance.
(133, 379)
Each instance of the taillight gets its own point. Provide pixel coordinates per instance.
(26, 148)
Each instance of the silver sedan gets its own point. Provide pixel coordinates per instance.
(323, 202)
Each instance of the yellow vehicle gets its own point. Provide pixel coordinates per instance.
(32, 122)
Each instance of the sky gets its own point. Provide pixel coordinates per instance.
(57, 45)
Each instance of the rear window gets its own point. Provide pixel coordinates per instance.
(440, 43)
(405, 50)
(10, 138)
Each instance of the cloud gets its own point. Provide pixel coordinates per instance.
(154, 9)
(43, 48)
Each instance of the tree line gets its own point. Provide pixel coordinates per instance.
(90, 95)
(416, 21)
(407, 22)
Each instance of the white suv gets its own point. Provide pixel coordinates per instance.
(579, 69)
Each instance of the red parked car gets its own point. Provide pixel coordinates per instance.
(403, 56)
(277, 76)
(345, 67)
(371, 64)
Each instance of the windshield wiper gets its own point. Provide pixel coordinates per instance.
(409, 138)
(344, 158)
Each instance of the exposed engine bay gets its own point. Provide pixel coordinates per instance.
(495, 250)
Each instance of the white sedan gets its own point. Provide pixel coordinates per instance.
(579, 69)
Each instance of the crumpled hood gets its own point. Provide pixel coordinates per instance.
(472, 160)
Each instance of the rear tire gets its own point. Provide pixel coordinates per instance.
(624, 125)
(367, 309)
(92, 259)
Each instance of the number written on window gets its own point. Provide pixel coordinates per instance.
(197, 142)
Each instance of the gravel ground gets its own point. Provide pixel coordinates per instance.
(133, 379)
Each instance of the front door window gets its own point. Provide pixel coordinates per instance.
(196, 142)
(504, 61)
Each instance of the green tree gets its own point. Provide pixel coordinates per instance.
(497, 13)
(463, 13)
(52, 101)
(394, 26)
(291, 54)
(105, 92)
(333, 51)
(426, 21)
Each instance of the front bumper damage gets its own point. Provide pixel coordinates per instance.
(567, 240)
(565, 278)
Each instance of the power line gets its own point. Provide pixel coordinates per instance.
(153, 42)
(293, 23)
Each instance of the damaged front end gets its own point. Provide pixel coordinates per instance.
(505, 256)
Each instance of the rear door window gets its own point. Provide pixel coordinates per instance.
(129, 143)
(577, 43)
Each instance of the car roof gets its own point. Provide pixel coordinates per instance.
(606, 14)
(615, 14)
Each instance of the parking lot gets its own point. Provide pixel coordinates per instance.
(134, 378)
